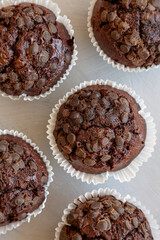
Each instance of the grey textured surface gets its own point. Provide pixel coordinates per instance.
(31, 118)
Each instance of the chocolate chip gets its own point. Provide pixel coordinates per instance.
(19, 201)
(129, 208)
(54, 65)
(113, 95)
(29, 11)
(105, 102)
(119, 209)
(111, 16)
(32, 165)
(33, 76)
(89, 147)
(95, 147)
(66, 113)
(143, 53)
(94, 214)
(44, 57)
(128, 225)
(135, 222)
(67, 149)
(28, 85)
(62, 140)
(2, 217)
(81, 153)
(34, 48)
(133, 39)
(124, 117)
(52, 28)
(44, 180)
(107, 203)
(96, 205)
(77, 236)
(89, 162)
(126, 3)
(104, 225)
(124, 48)
(82, 105)
(28, 21)
(123, 27)
(13, 76)
(95, 95)
(89, 114)
(38, 19)
(71, 138)
(14, 156)
(68, 57)
(124, 101)
(20, 22)
(18, 165)
(115, 35)
(156, 3)
(105, 158)
(41, 82)
(3, 145)
(119, 141)
(38, 10)
(46, 36)
(3, 77)
(151, 7)
(35, 200)
(104, 16)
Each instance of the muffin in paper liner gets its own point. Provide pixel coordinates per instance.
(155, 228)
(101, 52)
(51, 5)
(123, 175)
(11, 226)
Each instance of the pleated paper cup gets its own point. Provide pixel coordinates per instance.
(103, 192)
(123, 175)
(51, 5)
(101, 52)
(11, 226)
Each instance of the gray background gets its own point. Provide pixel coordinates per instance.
(31, 118)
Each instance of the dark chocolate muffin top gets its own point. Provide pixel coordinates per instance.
(99, 129)
(106, 218)
(35, 49)
(23, 175)
(128, 31)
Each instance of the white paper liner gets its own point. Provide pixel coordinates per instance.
(100, 193)
(67, 23)
(101, 52)
(11, 226)
(123, 175)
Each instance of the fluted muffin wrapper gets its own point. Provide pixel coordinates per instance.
(67, 23)
(155, 228)
(101, 52)
(11, 226)
(123, 175)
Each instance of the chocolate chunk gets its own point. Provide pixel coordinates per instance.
(113, 95)
(52, 28)
(68, 56)
(41, 82)
(105, 158)
(95, 95)
(54, 65)
(135, 222)
(104, 142)
(126, 3)
(119, 141)
(38, 10)
(89, 114)
(124, 117)
(89, 147)
(143, 53)
(142, 3)
(111, 16)
(128, 137)
(33, 76)
(74, 102)
(74, 115)
(95, 147)
(71, 217)
(124, 48)
(38, 19)
(19, 201)
(156, 3)
(2, 217)
(20, 22)
(89, 162)
(128, 225)
(71, 138)
(114, 215)
(22, 216)
(18, 165)
(28, 85)
(77, 236)
(35, 200)
(46, 36)
(96, 205)
(44, 57)
(104, 16)
(80, 153)
(3, 146)
(13, 77)
(32, 165)
(66, 113)
(115, 35)
(29, 11)
(3, 77)
(123, 27)
(14, 156)
(28, 21)
(66, 128)
(34, 48)
(129, 208)
(44, 180)
(51, 17)
(82, 105)
(104, 225)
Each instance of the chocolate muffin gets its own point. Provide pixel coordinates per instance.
(35, 49)
(23, 175)
(99, 129)
(128, 31)
(106, 218)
